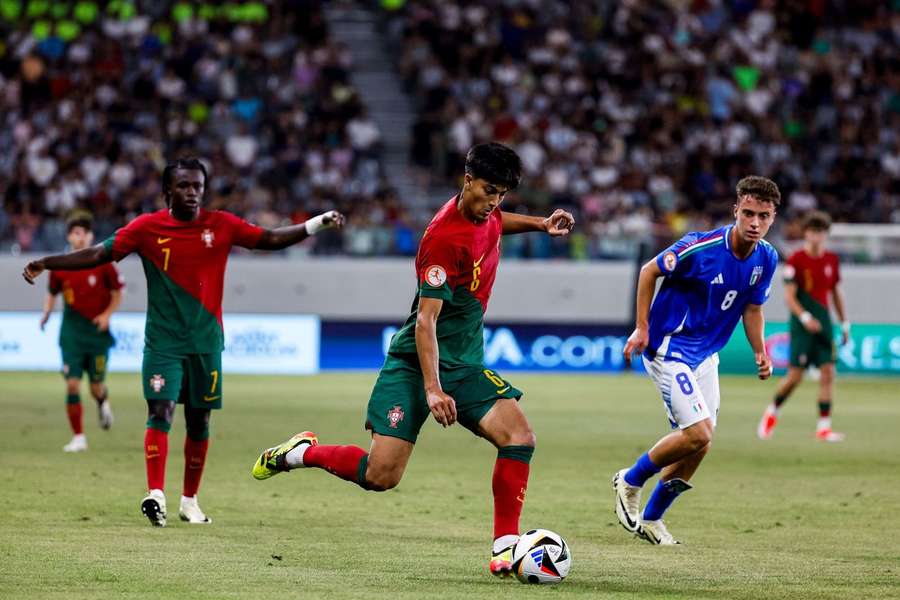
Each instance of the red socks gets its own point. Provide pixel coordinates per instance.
(347, 462)
(509, 485)
(194, 459)
(156, 450)
(73, 411)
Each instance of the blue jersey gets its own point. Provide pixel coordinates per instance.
(703, 296)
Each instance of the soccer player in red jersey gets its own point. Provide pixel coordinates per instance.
(91, 297)
(184, 250)
(435, 363)
(811, 276)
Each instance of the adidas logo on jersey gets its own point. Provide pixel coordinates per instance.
(717, 279)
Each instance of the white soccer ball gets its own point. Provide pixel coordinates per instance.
(541, 556)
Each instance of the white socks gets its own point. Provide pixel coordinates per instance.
(504, 541)
(823, 423)
(294, 458)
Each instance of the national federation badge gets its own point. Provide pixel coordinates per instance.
(669, 261)
(756, 275)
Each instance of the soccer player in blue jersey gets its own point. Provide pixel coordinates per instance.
(712, 279)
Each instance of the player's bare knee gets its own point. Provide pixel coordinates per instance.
(826, 376)
(524, 437)
(98, 391)
(382, 480)
(73, 386)
(699, 435)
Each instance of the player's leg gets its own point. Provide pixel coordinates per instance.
(97, 376)
(396, 411)
(162, 381)
(506, 427)
(196, 444)
(826, 390)
(785, 387)
(675, 476)
(73, 367)
(688, 412)
(486, 404)
(201, 393)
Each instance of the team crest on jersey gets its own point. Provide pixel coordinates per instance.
(669, 261)
(435, 276)
(157, 382)
(207, 236)
(92, 280)
(395, 415)
(756, 275)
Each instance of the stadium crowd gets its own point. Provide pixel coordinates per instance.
(643, 115)
(639, 116)
(258, 90)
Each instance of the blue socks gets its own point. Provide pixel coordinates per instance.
(642, 470)
(663, 496)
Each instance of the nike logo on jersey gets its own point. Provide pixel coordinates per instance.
(717, 279)
(162, 240)
(210, 398)
(478, 262)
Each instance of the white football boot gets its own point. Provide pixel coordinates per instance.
(77, 444)
(190, 511)
(628, 502)
(154, 508)
(656, 532)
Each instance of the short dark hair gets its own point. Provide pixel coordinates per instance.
(495, 163)
(80, 219)
(189, 163)
(761, 188)
(817, 220)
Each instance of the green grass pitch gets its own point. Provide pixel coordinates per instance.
(789, 518)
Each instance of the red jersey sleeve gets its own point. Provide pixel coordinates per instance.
(243, 234)
(437, 267)
(112, 277)
(791, 267)
(54, 286)
(126, 239)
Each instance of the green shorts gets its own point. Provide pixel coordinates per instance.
(397, 407)
(811, 349)
(76, 361)
(191, 379)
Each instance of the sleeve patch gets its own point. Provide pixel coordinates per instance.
(435, 276)
(789, 272)
(669, 261)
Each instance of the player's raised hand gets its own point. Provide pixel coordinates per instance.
(637, 342)
(442, 406)
(32, 270)
(763, 365)
(559, 223)
(333, 218)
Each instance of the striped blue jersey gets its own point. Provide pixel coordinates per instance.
(704, 293)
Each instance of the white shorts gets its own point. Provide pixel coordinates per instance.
(689, 396)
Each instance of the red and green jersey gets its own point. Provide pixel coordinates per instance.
(86, 294)
(816, 277)
(457, 262)
(184, 262)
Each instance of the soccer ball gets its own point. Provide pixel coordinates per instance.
(541, 556)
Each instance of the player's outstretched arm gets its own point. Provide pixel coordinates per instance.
(74, 261)
(754, 324)
(282, 237)
(557, 224)
(49, 305)
(640, 337)
(442, 406)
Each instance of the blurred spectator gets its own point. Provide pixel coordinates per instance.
(643, 115)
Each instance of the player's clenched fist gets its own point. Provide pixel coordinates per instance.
(32, 270)
(442, 406)
(637, 342)
(763, 365)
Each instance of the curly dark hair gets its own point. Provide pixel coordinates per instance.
(495, 163)
(761, 188)
(189, 164)
(80, 218)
